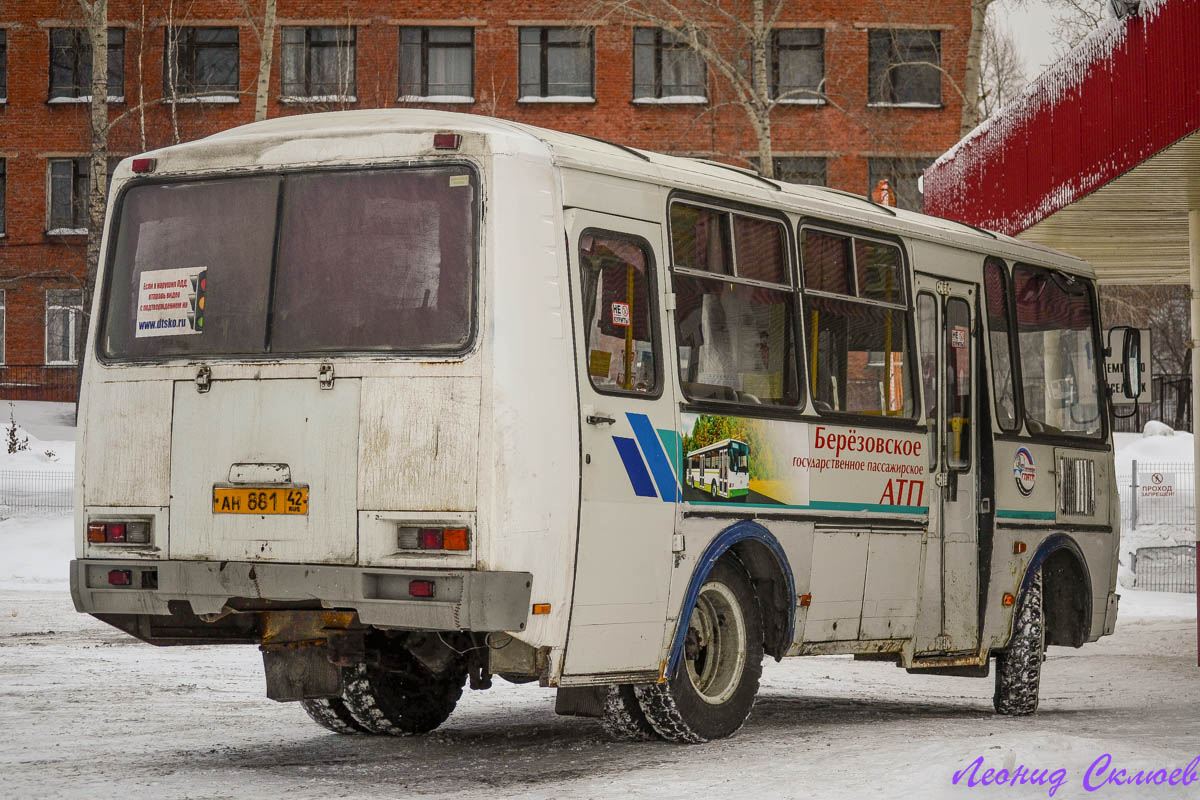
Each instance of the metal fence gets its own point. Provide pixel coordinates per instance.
(39, 382)
(23, 491)
(1165, 569)
(1159, 497)
(1158, 494)
(1172, 404)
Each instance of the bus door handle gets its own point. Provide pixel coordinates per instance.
(600, 419)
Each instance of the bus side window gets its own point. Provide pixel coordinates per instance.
(927, 331)
(615, 275)
(999, 319)
(734, 326)
(958, 384)
(858, 325)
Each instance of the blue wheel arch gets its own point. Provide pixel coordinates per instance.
(735, 534)
(1052, 545)
(1057, 543)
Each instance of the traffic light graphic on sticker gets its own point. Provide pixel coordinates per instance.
(199, 289)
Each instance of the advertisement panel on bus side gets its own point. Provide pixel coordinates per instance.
(802, 465)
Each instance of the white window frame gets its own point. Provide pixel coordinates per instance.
(59, 300)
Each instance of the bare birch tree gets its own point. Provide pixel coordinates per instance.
(974, 74)
(266, 48)
(95, 18)
(734, 41)
(1001, 73)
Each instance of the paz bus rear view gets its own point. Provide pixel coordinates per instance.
(411, 399)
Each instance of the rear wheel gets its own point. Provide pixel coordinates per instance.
(623, 718)
(401, 702)
(1019, 667)
(331, 713)
(713, 690)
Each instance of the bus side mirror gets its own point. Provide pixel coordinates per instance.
(1131, 357)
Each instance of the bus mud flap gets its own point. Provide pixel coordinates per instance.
(300, 672)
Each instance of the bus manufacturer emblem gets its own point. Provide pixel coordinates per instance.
(1024, 471)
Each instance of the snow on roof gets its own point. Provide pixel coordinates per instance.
(957, 183)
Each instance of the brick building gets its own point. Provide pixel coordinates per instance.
(868, 90)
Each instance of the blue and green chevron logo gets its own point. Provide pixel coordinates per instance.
(651, 459)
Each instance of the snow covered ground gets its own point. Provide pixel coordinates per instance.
(87, 711)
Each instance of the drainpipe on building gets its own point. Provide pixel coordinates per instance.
(1194, 297)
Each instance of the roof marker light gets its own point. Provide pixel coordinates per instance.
(446, 141)
(144, 164)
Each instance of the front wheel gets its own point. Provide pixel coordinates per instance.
(713, 690)
(1019, 667)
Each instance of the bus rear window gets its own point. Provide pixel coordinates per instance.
(363, 261)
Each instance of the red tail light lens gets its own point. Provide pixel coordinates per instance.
(421, 589)
(144, 164)
(430, 539)
(120, 577)
(446, 141)
(116, 532)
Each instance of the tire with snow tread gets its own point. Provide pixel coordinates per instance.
(331, 713)
(623, 718)
(1019, 667)
(714, 687)
(402, 702)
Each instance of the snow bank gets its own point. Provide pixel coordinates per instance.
(37, 551)
(1166, 503)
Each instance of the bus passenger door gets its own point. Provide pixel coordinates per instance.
(946, 325)
(629, 456)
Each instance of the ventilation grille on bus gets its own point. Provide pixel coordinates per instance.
(1077, 487)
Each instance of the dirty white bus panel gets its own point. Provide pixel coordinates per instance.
(410, 399)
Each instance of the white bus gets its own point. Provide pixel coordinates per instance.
(720, 469)
(403, 397)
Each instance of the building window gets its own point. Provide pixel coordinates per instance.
(905, 68)
(71, 64)
(437, 63)
(556, 64)
(64, 308)
(201, 61)
(3, 194)
(319, 63)
(798, 65)
(3, 323)
(3, 65)
(904, 176)
(810, 170)
(665, 67)
(69, 183)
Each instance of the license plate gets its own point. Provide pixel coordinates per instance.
(260, 501)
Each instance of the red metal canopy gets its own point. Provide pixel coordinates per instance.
(1129, 92)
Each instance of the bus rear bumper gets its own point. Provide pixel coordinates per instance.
(465, 600)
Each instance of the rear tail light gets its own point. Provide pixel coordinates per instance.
(433, 539)
(120, 577)
(127, 532)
